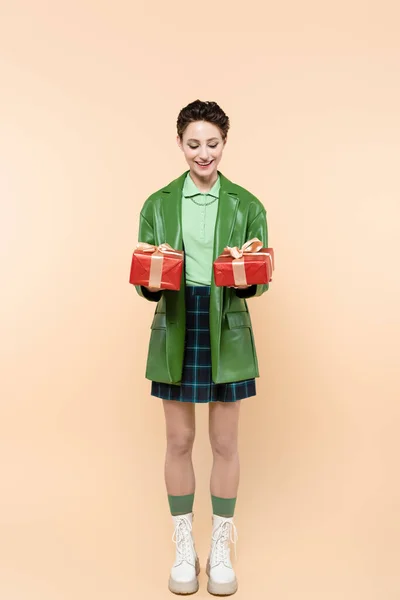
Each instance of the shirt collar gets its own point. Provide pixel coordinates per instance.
(191, 189)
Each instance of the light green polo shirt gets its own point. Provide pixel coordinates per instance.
(198, 225)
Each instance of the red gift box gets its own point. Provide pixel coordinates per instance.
(249, 265)
(156, 266)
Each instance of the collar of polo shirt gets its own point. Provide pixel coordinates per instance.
(190, 189)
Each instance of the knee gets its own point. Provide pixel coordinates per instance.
(224, 446)
(180, 442)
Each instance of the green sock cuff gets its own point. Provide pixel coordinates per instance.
(181, 505)
(223, 507)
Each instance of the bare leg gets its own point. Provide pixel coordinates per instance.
(180, 481)
(223, 431)
(180, 432)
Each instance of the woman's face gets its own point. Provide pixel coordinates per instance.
(202, 145)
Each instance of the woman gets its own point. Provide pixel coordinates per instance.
(201, 346)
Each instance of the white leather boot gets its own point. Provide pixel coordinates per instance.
(183, 576)
(221, 576)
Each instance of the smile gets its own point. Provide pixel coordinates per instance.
(204, 164)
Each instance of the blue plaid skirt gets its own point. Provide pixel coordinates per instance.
(197, 385)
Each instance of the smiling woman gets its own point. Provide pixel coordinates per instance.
(202, 347)
(202, 135)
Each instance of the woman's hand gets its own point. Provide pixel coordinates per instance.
(240, 287)
(152, 289)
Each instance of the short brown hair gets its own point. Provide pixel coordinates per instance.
(203, 111)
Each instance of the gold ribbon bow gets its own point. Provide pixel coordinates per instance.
(253, 246)
(156, 265)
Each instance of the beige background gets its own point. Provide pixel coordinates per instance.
(90, 92)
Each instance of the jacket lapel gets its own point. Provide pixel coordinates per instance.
(172, 213)
(171, 209)
(226, 215)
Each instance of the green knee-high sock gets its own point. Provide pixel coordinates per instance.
(224, 507)
(181, 505)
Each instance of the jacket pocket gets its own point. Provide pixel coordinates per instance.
(237, 358)
(159, 321)
(238, 319)
(156, 367)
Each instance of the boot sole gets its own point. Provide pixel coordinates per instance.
(185, 587)
(220, 589)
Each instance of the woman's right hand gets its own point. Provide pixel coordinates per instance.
(151, 289)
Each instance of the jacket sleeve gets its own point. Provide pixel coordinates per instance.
(146, 234)
(256, 228)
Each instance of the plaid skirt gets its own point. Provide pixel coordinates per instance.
(197, 385)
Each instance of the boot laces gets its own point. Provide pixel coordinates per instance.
(182, 537)
(225, 533)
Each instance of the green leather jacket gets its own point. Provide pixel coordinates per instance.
(241, 216)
